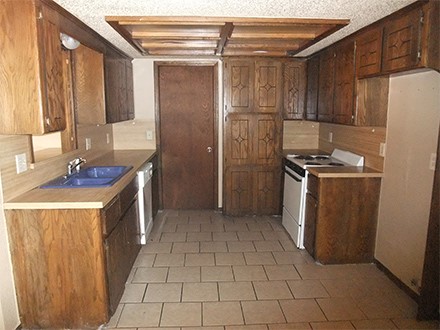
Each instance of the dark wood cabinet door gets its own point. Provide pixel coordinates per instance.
(344, 84)
(310, 224)
(294, 78)
(267, 139)
(239, 85)
(268, 86)
(238, 194)
(369, 52)
(238, 139)
(326, 85)
(130, 92)
(401, 42)
(122, 90)
(267, 190)
(312, 88)
(111, 89)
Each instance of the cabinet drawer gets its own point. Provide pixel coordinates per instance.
(312, 185)
(111, 215)
(128, 194)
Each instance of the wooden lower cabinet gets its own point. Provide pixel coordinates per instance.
(70, 265)
(341, 219)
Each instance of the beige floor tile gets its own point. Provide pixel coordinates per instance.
(199, 237)
(199, 219)
(260, 226)
(249, 273)
(184, 274)
(380, 307)
(199, 292)
(246, 327)
(414, 324)
(288, 245)
(188, 228)
(228, 258)
(181, 314)
(167, 260)
(144, 260)
(156, 247)
(344, 288)
(133, 293)
(339, 309)
(245, 246)
(150, 275)
(177, 219)
(272, 290)
(250, 236)
(281, 272)
(268, 246)
(173, 237)
(277, 225)
(140, 315)
(225, 236)
(199, 328)
(163, 292)
(262, 312)
(115, 317)
(213, 247)
(342, 325)
(405, 303)
(222, 313)
(259, 258)
(374, 324)
(236, 291)
(243, 219)
(275, 235)
(318, 272)
(199, 259)
(236, 227)
(217, 274)
(302, 310)
(212, 227)
(289, 258)
(289, 326)
(169, 228)
(186, 247)
(307, 289)
(160, 328)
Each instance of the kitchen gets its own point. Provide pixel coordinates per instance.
(297, 135)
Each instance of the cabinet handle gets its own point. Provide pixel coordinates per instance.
(47, 121)
(209, 149)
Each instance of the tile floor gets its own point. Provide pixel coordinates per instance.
(202, 270)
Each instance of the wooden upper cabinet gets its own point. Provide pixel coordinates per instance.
(369, 52)
(295, 82)
(401, 42)
(326, 85)
(344, 84)
(89, 90)
(312, 88)
(32, 93)
(130, 89)
(239, 85)
(268, 86)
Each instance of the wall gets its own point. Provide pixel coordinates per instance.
(299, 134)
(412, 131)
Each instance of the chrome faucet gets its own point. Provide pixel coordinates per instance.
(75, 165)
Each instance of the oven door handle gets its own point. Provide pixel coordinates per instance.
(292, 175)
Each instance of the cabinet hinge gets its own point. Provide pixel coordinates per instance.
(40, 15)
(419, 55)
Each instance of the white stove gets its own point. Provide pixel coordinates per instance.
(295, 186)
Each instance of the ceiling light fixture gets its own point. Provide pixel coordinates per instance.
(69, 42)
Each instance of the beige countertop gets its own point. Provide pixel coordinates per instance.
(84, 198)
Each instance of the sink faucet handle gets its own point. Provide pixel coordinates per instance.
(75, 164)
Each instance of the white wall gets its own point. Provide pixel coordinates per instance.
(412, 132)
(9, 318)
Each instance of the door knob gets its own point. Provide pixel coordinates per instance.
(209, 149)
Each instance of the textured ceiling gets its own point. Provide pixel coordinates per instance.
(360, 13)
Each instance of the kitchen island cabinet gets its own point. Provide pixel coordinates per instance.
(341, 216)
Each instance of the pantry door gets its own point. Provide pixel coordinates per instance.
(187, 140)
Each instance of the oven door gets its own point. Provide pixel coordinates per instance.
(294, 193)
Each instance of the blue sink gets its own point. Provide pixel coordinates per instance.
(91, 177)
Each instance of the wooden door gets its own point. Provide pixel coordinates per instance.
(326, 85)
(344, 84)
(294, 90)
(312, 88)
(369, 52)
(187, 135)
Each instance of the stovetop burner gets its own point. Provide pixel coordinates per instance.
(313, 163)
(321, 157)
(335, 164)
(304, 157)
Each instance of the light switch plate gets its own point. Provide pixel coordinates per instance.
(149, 135)
(21, 163)
(88, 143)
(107, 135)
(330, 137)
(382, 148)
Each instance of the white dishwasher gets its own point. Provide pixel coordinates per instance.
(144, 175)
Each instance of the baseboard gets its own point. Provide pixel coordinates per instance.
(397, 281)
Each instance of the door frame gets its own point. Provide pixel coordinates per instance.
(215, 69)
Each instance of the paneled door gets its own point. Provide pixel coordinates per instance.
(187, 138)
(252, 136)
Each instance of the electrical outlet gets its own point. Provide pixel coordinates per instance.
(88, 143)
(108, 138)
(432, 161)
(382, 148)
(21, 163)
(330, 137)
(149, 135)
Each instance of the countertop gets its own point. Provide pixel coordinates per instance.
(84, 198)
(334, 171)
